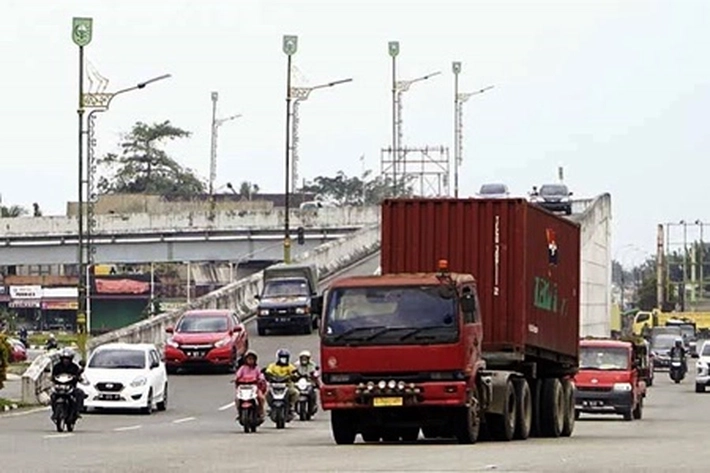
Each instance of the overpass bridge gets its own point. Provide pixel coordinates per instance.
(189, 236)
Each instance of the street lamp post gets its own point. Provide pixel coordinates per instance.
(461, 98)
(393, 49)
(289, 46)
(298, 95)
(216, 123)
(456, 69)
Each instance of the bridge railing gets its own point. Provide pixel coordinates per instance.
(239, 296)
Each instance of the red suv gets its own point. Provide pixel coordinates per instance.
(204, 338)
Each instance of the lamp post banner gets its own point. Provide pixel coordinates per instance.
(81, 31)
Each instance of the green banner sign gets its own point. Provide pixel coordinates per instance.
(81, 31)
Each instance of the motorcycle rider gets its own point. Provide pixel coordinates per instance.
(66, 365)
(678, 351)
(282, 368)
(51, 343)
(250, 372)
(306, 367)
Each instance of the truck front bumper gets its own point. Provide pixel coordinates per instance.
(603, 402)
(350, 396)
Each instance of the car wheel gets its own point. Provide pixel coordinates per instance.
(148, 409)
(163, 404)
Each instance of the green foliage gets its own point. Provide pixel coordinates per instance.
(12, 211)
(345, 190)
(5, 350)
(143, 168)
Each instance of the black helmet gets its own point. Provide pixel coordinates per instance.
(283, 356)
(66, 354)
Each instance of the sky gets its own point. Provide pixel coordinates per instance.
(616, 92)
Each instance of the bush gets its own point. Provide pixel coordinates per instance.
(5, 350)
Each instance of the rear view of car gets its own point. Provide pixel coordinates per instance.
(206, 338)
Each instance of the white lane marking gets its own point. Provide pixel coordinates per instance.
(59, 436)
(226, 406)
(25, 413)
(125, 429)
(186, 419)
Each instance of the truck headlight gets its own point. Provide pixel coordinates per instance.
(302, 310)
(623, 387)
(263, 311)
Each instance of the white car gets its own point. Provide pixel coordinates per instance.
(125, 376)
(702, 375)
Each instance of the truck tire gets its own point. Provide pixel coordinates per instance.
(342, 428)
(699, 388)
(638, 410)
(525, 409)
(370, 435)
(570, 414)
(552, 408)
(467, 422)
(502, 426)
(536, 391)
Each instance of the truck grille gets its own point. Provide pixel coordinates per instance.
(595, 389)
(284, 311)
(109, 387)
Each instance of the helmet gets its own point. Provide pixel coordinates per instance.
(283, 356)
(678, 341)
(66, 354)
(51, 336)
(251, 353)
(305, 354)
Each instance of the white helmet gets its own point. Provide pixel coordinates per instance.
(305, 353)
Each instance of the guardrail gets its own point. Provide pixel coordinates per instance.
(239, 296)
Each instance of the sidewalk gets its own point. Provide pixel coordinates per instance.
(13, 388)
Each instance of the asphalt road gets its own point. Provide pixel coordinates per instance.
(198, 433)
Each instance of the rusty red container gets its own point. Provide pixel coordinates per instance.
(526, 262)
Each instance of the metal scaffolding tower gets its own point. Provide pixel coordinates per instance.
(425, 169)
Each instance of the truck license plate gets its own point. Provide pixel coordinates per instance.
(593, 403)
(387, 402)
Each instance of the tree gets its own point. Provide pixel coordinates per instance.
(12, 211)
(345, 190)
(248, 189)
(143, 168)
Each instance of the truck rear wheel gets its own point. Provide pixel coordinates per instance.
(341, 425)
(525, 409)
(502, 426)
(570, 415)
(467, 422)
(552, 408)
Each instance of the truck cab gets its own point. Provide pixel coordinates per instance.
(612, 378)
(401, 352)
(289, 299)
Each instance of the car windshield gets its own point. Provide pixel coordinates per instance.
(202, 324)
(663, 342)
(706, 350)
(117, 359)
(603, 358)
(286, 288)
(397, 314)
(554, 190)
(487, 189)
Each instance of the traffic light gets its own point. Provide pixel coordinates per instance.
(301, 236)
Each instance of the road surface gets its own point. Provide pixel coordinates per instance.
(198, 433)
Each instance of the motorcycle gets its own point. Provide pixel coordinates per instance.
(248, 406)
(676, 372)
(64, 412)
(277, 399)
(306, 406)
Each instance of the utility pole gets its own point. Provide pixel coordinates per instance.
(216, 123)
(289, 46)
(393, 48)
(660, 299)
(456, 68)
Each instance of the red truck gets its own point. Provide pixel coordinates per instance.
(471, 329)
(612, 378)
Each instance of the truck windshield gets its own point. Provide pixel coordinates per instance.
(412, 314)
(603, 358)
(286, 288)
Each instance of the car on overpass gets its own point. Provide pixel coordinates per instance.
(125, 376)
(553, 197)
(493, 191)
(206, 338)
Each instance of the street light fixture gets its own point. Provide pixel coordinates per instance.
(289, 46)
(216, 123)
(298, 95)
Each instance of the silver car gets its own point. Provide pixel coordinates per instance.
(493, 191)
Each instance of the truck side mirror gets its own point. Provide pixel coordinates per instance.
(257, 297)
(468, 304)
(317, 304)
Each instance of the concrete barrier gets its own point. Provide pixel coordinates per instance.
(239, 296)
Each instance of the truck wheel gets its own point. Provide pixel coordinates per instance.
(699, 388)
(638, 411)
(410, 434)
(341, 426)
(552, 408)
(502, 426)
(370, 435)
(628, 415)
(467, 423)
(524, 418)
(536, 391)
(570, 415)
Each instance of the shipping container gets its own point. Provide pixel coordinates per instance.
(526, 262)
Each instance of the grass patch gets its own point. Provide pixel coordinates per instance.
(18, 368)
(8, 402)
(63, 339)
